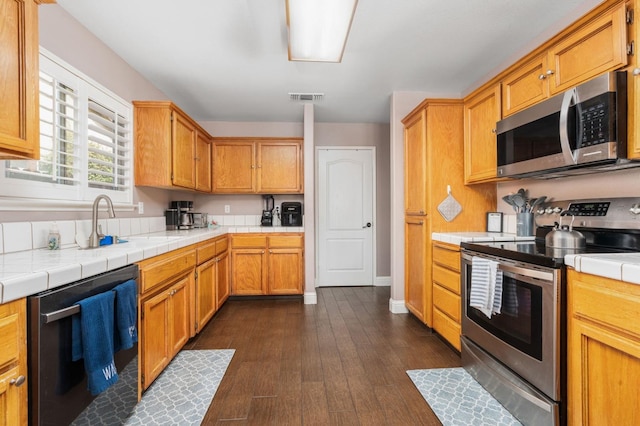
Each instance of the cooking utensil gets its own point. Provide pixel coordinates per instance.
(564, 236)
(509, 200)
(519, 201)
(535, 202)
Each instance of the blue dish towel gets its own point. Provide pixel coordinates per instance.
(126, 315)
(96, 321)
(76, 338)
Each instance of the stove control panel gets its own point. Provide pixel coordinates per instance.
(589, 209)
(608, 213)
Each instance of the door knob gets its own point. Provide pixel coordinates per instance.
(17, 382)
(368, 225)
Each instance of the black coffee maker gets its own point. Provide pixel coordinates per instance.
(267, 213)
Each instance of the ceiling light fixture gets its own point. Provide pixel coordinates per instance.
(318, 29)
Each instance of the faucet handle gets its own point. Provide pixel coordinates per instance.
(100, 234)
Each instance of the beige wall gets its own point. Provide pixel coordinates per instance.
(623, 183)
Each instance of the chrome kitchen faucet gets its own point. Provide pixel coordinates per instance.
(94, 239)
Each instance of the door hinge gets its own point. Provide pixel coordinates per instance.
(629, 16)
(631, 48)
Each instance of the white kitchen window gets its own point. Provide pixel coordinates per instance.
(85, 143)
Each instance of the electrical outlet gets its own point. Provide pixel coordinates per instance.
(227, 208)
(140, 207)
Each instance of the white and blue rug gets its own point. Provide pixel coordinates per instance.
(457, 399)
(181, 395)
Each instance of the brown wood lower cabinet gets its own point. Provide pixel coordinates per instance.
(212, 280)
(603, 351)
(263, 264)
(446, 292)
(13, 363)
(167, 287)
(165, 327)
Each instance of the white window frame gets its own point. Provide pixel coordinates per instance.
(20, 194)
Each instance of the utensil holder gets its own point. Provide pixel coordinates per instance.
(524, 224)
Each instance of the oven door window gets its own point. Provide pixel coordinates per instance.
(520, 321)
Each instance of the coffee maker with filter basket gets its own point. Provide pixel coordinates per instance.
(267, 213)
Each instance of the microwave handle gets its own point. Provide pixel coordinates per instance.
(569, 97)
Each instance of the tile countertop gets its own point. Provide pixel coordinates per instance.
(28, 272)
(476, 237)
(617, 266)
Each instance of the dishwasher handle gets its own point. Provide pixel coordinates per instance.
(59, 314)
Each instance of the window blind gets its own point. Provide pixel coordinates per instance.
(59, 157)
(108, 148)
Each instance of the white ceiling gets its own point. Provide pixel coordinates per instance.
(226, 60)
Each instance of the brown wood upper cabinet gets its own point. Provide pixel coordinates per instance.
(19, 115)
(262, 166)
(594, 48)
(633, 90)
(171, 150)
(481, 113)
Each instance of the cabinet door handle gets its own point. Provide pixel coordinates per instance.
(17, 381)
(542, 77)
(262, 251)
(636, 71)
(550, 72)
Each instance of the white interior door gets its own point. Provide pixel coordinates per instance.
(345, 216)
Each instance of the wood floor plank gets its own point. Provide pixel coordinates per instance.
(314, 404)
(340, 362)
(262, 412)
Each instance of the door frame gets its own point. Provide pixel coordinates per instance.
(374, 198)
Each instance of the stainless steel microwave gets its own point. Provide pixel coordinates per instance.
(578, 131)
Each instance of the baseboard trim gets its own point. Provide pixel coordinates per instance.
(397, 307)
(311, 298)
(382, 282)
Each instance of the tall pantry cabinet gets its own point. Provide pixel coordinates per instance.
(434, 161)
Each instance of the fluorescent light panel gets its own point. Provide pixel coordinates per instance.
(318, 29)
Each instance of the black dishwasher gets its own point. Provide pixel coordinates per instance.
(58, 392)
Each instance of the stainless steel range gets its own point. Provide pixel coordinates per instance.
(519, 354)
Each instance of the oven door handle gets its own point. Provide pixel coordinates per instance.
(526, 272)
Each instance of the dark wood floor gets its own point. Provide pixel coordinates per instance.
(340, 362)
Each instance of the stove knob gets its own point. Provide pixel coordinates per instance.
(635, 209)
(549, 210)
(541, 211)
(557, 209)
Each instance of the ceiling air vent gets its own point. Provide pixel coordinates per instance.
(306, 97)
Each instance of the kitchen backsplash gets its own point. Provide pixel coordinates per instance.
(20, 236)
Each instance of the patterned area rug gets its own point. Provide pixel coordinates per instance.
(183, 392)
(457, 399)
